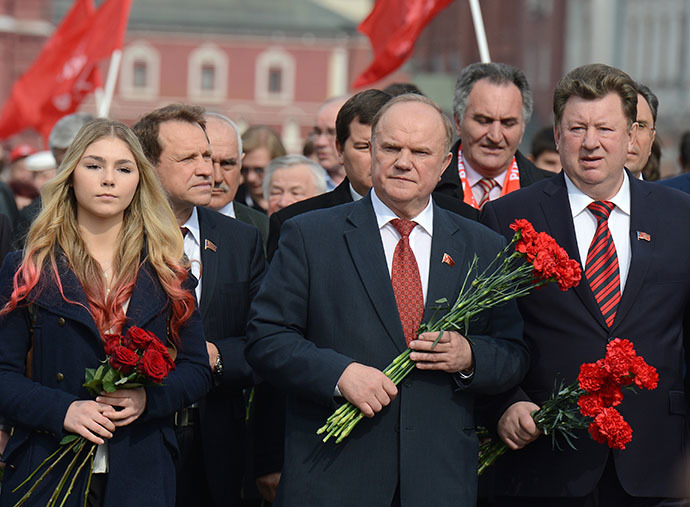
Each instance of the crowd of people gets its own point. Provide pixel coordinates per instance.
(282, 285)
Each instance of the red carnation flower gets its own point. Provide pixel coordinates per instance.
(592, 376)
(610, 393)
(124, 359)
(646, 376)
(590, 405)
(610, 428)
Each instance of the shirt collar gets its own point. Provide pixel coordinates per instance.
(354, 194)
(473, 176)
(192, 225)
(228, 210)
(384, 214)
(579, 200)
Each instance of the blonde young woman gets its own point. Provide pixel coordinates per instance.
(103, 255)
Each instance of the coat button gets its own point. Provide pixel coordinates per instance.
(60, 377)
(61, 321)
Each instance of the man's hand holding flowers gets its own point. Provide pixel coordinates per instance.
(366, 388)
(451, 354)
(516, 427)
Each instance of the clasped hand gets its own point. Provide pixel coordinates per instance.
(97, 419)
(451, 354)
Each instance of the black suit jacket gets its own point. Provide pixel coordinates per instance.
(450, 181)
(341, 195)
(566, 329)
(230, 278)
(252, 217)
(5, 236)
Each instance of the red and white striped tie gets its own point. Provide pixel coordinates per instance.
(487, 184)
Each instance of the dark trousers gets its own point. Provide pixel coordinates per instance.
(96, 496)
(192, 487)
(608, 493)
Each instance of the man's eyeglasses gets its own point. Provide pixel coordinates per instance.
(645, 128)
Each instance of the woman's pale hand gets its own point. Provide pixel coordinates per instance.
(87, 418)
(132, 403)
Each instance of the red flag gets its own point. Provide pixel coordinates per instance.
(66, 70)
(393, 27)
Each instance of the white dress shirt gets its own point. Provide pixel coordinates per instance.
(473, 179)
(355, 196)
(228, 210)
(420, 237)
(192, 248)
(586, 224)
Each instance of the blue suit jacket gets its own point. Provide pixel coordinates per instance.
(326, 301)
(566, 329)
(65, 342)
(233, 268)
(681, 182)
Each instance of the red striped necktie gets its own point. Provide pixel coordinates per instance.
(601, 269)
(487, 185)
(407, 284)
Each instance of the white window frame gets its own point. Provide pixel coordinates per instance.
(140, 51)
(267, 60)
(205, 55)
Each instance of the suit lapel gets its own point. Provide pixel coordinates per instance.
(558, 215)
(209, 258)
(366, 249)
(148, 298)
(642, 219)
(445, 280)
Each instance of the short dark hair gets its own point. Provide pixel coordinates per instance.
(543, 141)
(685, 151)
(594, 81)
(148, 126)
(361, 106)
(396, 89)
(650, 97)
(496, 73)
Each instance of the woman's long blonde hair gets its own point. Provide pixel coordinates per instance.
(148, 222)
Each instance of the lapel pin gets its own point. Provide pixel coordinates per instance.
(447, 259)
(209, 245)
(643, 236)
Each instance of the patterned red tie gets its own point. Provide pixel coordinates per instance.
(487, 185)
(601, 269)
(407, 285)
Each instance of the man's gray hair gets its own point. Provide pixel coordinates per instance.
(232, 124)
(65, 130)
(496, 73)
(318, 172)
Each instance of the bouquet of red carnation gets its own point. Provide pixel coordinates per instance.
(136, 359)
(589, 402)
(532, 259)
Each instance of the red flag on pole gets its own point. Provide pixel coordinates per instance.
(66, 70)
(393, 27)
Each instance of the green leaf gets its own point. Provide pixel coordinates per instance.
(68, 439)
(95, 386)
(109, 386)
(89, 375)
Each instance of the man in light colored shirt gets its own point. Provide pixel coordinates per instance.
(632, 240)
(331, 315)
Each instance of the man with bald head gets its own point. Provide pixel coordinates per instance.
(345, 294)
(227, 156)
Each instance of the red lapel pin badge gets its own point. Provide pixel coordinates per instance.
(209, 245)
(447, 259)
(644, 236)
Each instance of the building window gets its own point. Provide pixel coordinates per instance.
(140, 77)
(275, 77)
(208, 74)
(140, 74)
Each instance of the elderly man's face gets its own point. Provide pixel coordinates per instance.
(646, 132)
(290, 185)
(185, 167)
(492, 127)
(323, 136)
(226, 161)
(594, 140)
(408, 157)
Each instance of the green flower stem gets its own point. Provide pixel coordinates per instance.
(88, 481)
(26, 496)
(63, 480)
(89, 455)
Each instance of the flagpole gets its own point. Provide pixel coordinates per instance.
(104, 107)
(480, 32)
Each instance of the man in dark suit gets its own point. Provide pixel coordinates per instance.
(681, 182)
(353, 133)
(226, 147)
(327, 320)
(210, 435)
(645, 230)
(492, 105)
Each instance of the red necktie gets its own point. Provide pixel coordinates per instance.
(407, 285)
(487, 184)
(601, 269)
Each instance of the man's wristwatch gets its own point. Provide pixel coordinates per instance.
(218, 365)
